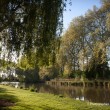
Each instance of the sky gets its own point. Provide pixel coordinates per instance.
(79, 7)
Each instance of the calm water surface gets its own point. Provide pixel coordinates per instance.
(92, 94)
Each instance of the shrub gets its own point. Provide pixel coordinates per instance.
(32, 88)
(26, 88)
(61, 95)
(21, 87)
(36, 90)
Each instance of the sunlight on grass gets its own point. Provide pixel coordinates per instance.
(26, 100)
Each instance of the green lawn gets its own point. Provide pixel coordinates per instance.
(26, 100)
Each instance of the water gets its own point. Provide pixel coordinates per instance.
(91, 94)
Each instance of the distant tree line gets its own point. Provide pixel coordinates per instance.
(85, 46)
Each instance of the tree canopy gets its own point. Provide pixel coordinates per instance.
(85, 46)
(30, 24)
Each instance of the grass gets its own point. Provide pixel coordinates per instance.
(26, 100)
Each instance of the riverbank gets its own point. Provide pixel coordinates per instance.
(26, 100)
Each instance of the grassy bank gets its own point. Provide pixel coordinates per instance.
(26, 100)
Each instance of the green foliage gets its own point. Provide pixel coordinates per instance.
(27, 61)
(33, 28)
(47, 73)
(85, 45)
(105, 1)
(29, 75)
(32, 88)
(21, 87)
(78, 74)
(31, 24)
(99, 71)
(5, 64)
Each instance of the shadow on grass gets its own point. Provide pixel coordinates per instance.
(6, 99)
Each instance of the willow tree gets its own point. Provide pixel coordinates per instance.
(30, 24)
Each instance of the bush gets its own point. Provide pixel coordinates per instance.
(26, 88)
(61, 95)
(36, 90)
(21, 87)
(76, 74)
(32, 88)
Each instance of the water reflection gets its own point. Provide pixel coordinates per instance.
(92, 94)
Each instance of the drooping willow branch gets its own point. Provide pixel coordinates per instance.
(30, 24)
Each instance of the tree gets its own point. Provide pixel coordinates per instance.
(86, 43)
(30, 24)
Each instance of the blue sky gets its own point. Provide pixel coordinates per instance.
(79, 7)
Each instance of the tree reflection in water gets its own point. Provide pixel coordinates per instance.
(91, 94)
